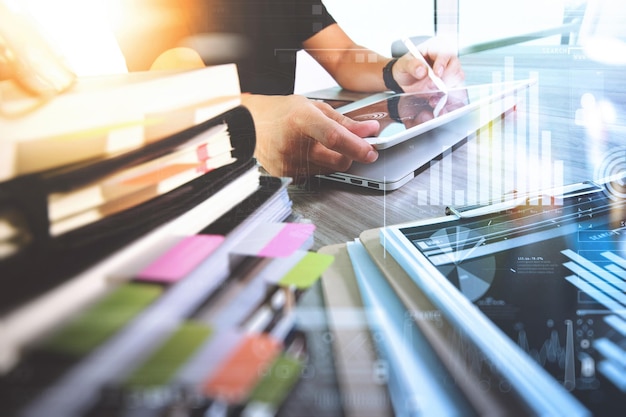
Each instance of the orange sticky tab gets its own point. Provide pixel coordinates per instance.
(233, 381)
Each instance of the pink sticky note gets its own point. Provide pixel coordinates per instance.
(179, 261)
(290, 238)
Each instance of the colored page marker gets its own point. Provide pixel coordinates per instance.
(162, 364)
(179, 261)
(307, 271)
(290, 238)
(272, 390)
(236, 378)
(275, 239)
(100, 321)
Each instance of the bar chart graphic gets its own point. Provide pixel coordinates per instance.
(508, 155)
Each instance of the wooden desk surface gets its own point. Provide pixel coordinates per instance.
(544, 142)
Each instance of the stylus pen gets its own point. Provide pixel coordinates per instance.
(431, 74)
(585, 188)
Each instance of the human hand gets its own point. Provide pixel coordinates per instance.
(298, 137)
(27, 58)
(412, 75)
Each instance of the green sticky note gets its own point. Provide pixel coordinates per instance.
(103, 319)
(307, 271)
(278, 382)
(163, 363)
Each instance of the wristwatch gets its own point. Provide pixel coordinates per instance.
(390, 82)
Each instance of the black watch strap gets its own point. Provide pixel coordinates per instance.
(390, 82)
(392, 108)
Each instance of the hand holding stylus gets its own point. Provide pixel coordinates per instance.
(431, 74)
(424, 68)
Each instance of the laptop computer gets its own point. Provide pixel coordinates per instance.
(416, 128)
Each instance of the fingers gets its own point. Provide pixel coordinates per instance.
(439, 59)
(445, 64)
(322, 160)
(298, 137)
(412, 73)
(308, 158)
(312, 158)
(409, 70)
(342, 134)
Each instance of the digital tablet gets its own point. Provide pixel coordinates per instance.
(537, 282)
(405, 116)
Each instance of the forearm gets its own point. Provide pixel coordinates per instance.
(359, 69)
(352, 66)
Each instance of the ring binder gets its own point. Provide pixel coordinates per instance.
(46, 260)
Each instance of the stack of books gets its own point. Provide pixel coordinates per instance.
(96, 167)
(147, 264)
(514, 307)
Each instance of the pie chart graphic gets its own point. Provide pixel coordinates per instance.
(613, 169)
(472, 275)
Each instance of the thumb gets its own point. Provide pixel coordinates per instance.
(363, 128)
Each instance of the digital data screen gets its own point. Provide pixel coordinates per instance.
(551, 275)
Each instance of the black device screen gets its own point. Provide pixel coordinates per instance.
(552, 277)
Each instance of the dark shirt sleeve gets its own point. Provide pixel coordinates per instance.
(311, 17)
(275, 34)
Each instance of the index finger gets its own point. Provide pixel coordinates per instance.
(439, 54)
(344, 135)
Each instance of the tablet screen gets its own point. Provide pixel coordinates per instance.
(404, 116)
(551, 279)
